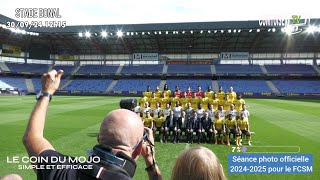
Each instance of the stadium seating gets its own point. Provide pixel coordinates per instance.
(66, 69)
(136, 84)
(15, 82)
(97, 69)
(88, 84)
(298, 86)
(142, 69)
(290, 69)
(185, 83)
(33, 68)
(189, 69)
(242, 86)
(237, 69)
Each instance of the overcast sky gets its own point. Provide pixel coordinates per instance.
(89, 12)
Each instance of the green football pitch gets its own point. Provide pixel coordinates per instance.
(73, 122)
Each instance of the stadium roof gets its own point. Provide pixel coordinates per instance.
(193, 37)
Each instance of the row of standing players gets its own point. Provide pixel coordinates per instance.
(210, 117)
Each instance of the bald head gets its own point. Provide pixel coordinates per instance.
(121, 129)
(11, 177)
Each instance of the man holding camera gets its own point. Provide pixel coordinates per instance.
(121, 140)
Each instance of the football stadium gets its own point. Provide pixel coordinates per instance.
(266, 72)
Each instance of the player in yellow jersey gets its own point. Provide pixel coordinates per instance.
(148, 120)
(232, 95)
(219, 125)
(158, 125)
(244, 128)
(143, 100)
(184, 100)
(194, 101)
(166, 91)
(231, 127)
(158, 92)
(205, 102)
(220, 94)
(147, 93)
(214, 102)
(164, 101)
(209, 93)
(153, 101)
(239, 102)
(227, 103)
(174, 99)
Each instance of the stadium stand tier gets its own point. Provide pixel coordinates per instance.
(242, 86)
(297, 86)
(66, 69)
(185, 83)
(238, 69)
(142, 69)
(13, 82)
(32, 68)
(136, 84)
(290, 69)
(97, 69)
(88, 85)
(189, 69)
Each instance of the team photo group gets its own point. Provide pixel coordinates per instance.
(201, 116)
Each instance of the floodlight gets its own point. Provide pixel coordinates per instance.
(159, 32)
(239, 30)
(201, 31)
(191, 32)
(209, 31)
(222, 31)
(273, 29)
(104, 34)
(311, 29)
(119, 33)
(258, 30)
(215, 31)
(250, 30)
(87, 34)
(234, 31)
(167, 32)
(229, 31)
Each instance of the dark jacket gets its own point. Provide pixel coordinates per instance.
(167, 122)
(206, 124)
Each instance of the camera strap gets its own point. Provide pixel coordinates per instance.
(119, 162)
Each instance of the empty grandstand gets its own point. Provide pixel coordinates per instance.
(254, 60)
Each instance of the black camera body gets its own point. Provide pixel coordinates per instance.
(129, 104)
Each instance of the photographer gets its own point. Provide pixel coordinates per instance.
(121, 140)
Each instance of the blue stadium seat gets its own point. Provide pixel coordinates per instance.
(136, 84)
(142, 69)
(185, 83)
(189, 69)
(298, 86)
(33, 68)
(238, 69)
(88, 84)
(290, 69)
(97, 69)
(255, 86)
(16, 82)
